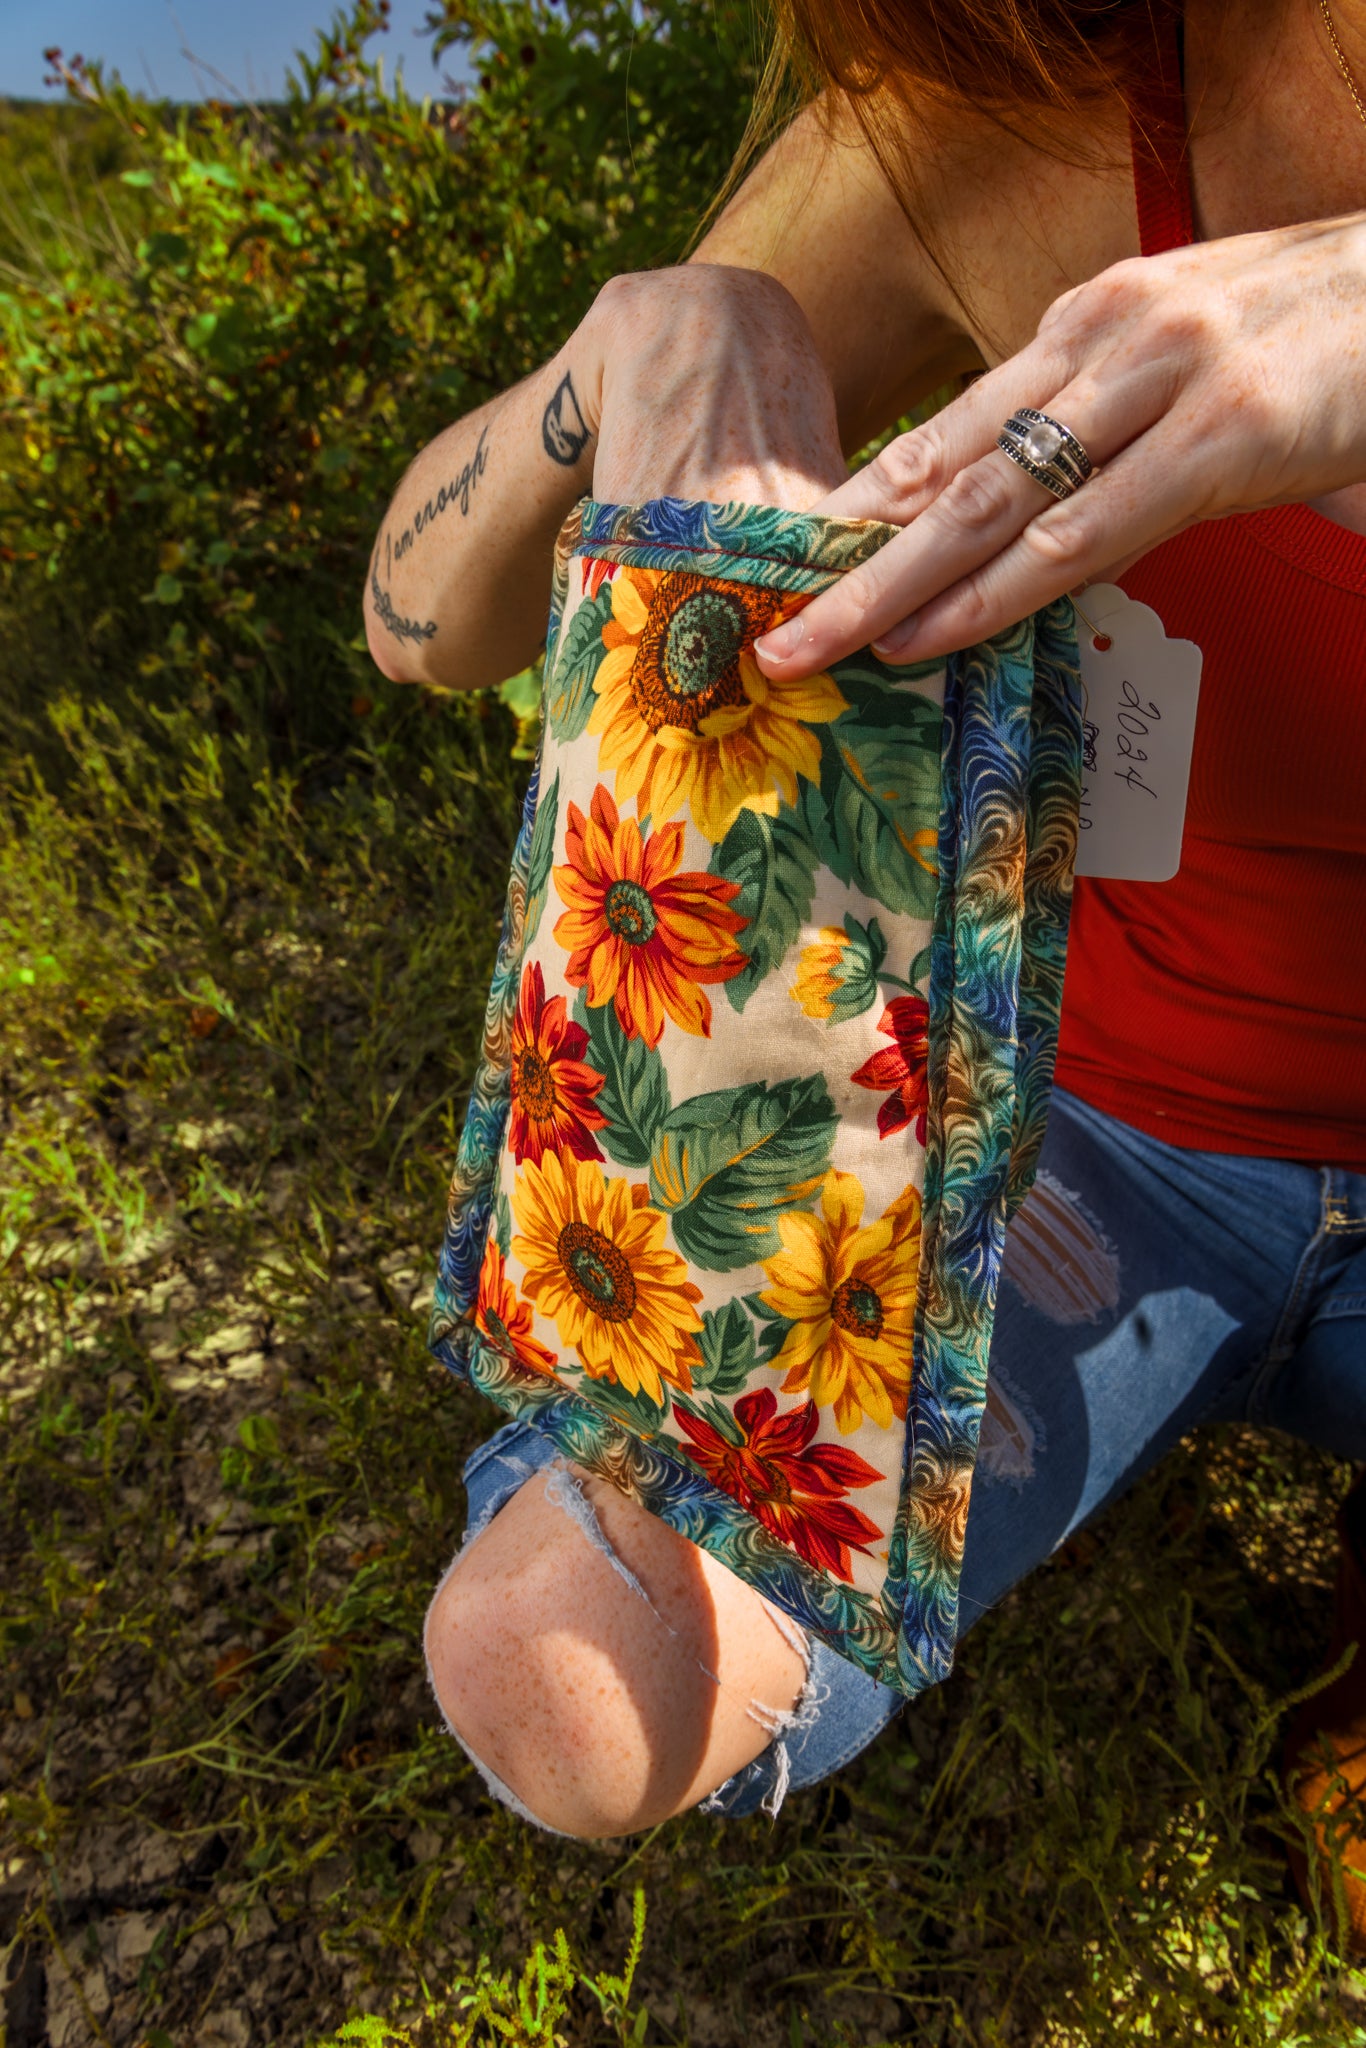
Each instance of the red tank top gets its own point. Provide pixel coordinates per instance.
(1226, 1009)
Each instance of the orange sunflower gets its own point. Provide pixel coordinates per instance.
(552, 1088)
(505, 1318)
(596, 1263)
(685, 713)
(638, 933)
(848, 1289)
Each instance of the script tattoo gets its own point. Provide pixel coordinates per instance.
(458, 491)
(393, 621)
(562, 425)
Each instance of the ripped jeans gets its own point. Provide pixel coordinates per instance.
(1145, 1289)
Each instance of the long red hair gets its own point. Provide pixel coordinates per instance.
(1021, 60)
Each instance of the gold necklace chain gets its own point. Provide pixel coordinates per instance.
(1343, 66)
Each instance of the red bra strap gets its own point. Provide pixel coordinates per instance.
(1157, 127)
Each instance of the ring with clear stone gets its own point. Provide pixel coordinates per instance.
(1046, 450)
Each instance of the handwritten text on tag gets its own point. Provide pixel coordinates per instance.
(1137, 737)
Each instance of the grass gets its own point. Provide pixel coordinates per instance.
(239, 1017)
(57, 165)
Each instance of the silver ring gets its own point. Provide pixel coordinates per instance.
(1046, 450)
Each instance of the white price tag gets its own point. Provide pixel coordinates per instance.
(1137, 735)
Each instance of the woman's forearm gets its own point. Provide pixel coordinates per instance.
(705, 380)
(455, 589)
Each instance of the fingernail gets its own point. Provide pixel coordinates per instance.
(892, 646)
(781, 642)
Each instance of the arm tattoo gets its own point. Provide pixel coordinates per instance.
(563, 429)
(458, 491)
(394, 621)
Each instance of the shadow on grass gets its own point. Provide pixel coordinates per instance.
(239, 1019)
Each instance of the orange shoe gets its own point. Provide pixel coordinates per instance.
(1325, 1747)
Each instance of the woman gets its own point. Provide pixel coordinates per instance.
(1195, 317)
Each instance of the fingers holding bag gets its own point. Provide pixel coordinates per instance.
(1197, 383)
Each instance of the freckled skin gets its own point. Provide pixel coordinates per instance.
(574, 1693)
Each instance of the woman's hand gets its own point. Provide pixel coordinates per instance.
(705, 382)
(1210, 380)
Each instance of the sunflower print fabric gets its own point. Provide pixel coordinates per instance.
(766, 1063)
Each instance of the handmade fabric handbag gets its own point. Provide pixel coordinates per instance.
(766, 1063)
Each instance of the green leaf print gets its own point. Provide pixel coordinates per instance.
(773, 1328)
(880, 777)
(502, 1224)
(920, 967)
(774, 860)
(637, 1411)
(634, 1096)
(726, 1165)
(569, 693)
(864, 680)
(727, 1347)
(855, 979)
(541, 858)
(713, 1411)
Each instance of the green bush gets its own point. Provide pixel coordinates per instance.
(211, 392)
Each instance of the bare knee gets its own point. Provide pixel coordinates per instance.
(603, 1705)
(523, 1641)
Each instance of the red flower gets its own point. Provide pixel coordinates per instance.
(794, 1487)
(595, 574)
(903, 1067)
(505, 1318)
(552, 1089)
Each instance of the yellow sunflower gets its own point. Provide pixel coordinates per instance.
(848, 1289)
(685, 714)
(596, 1262)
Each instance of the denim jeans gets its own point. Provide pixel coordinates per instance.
(1145, 1289)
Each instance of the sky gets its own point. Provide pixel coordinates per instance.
(249, 41)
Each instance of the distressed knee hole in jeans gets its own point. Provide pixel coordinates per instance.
(564, 1490)
(1058, 1258)
(1011, 1433)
